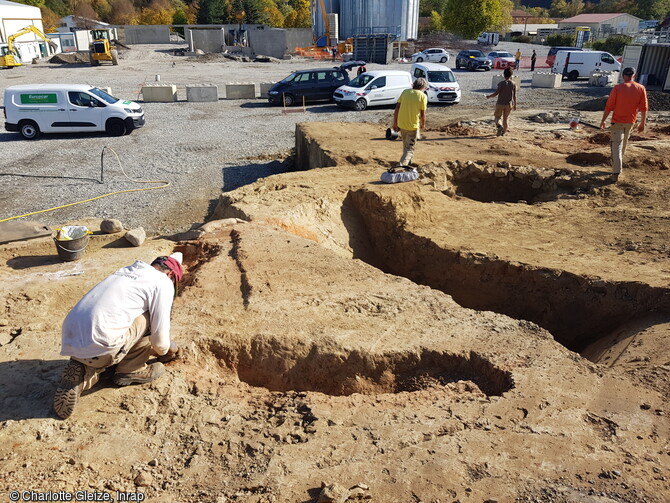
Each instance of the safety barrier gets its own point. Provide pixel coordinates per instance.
(546, 79)
(240, 91)
(497, 78)
(159, 93)
(202, 93)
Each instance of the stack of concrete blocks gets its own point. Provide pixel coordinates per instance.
(603, 78)
(241, 91)
(547, 79)
(265, 87)
(162, 93)
(498, 78)
(202, 93)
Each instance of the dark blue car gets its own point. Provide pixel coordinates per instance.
(313, 85)
(473, 60)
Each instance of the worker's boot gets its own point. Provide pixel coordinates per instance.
(147, 374)
(69, 389)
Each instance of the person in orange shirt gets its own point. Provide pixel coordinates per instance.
(624, 102)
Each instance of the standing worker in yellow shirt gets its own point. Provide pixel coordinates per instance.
(625, 101)
(410, 117)
(517, 59)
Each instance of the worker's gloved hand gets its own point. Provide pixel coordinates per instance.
(173, 353)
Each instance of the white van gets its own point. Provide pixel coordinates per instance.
(489, 38)
(68, 108)
(579, 64)
(379, 87)
(442, 85)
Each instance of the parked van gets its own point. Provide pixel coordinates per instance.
(489, 38)
(379, 87)
(68, 108)
(551, 55)
(579, 64)
(442, 85)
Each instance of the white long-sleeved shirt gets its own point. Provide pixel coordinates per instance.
(97, 324)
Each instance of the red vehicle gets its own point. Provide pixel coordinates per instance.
(551, 55)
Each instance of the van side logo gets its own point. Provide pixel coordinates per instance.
(38, 98)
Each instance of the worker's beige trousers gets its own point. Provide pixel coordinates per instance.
(131, 357)
(502, 111)
(409, 139)
(619, 134)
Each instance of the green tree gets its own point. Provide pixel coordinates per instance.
(561, 40)
(60, 7)
(469, 18)
(300, 16)
(650, 9)
(436, 22)
(253, 11)
(614, 44)
(213, 12)
(427, 7)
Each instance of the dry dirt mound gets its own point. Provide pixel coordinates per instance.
(658, 102)
(68, 58)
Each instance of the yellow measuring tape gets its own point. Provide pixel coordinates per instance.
(164, 182)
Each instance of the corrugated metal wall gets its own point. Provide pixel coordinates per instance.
(655, 63)
(365, 17)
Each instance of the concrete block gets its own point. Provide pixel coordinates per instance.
(265, 87)
(108, 90)
(546, 79)
(160, 93)
(202, 93)
(498, 78)
(240, 91)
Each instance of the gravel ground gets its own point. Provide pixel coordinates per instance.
(200, 148)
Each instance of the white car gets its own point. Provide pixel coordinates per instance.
(378, 87)
(435, 55)
(442, 84)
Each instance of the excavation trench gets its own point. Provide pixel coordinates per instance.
(577, 310)
(325, 367)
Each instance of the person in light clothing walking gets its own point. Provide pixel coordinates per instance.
(624, 103)
(409, 118)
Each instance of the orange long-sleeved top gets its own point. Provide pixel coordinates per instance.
(625, 101)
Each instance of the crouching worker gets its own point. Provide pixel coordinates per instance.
(124, 321)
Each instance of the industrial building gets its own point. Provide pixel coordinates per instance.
(16, 16)
(350, 18)
(603, 24)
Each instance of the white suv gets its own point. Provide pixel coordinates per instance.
(435, 55)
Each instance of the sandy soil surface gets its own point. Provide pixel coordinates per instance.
(496, 331)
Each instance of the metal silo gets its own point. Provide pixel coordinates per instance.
(367, 17)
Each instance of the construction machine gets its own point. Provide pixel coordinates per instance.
(103, 47)
(322, 46)
(8, 55)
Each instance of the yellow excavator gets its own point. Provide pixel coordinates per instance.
(8, 56)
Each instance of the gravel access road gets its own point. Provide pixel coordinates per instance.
(202, 149)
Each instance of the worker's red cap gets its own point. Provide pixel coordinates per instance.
(174, 263)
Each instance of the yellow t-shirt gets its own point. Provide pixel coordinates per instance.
(411, 103)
